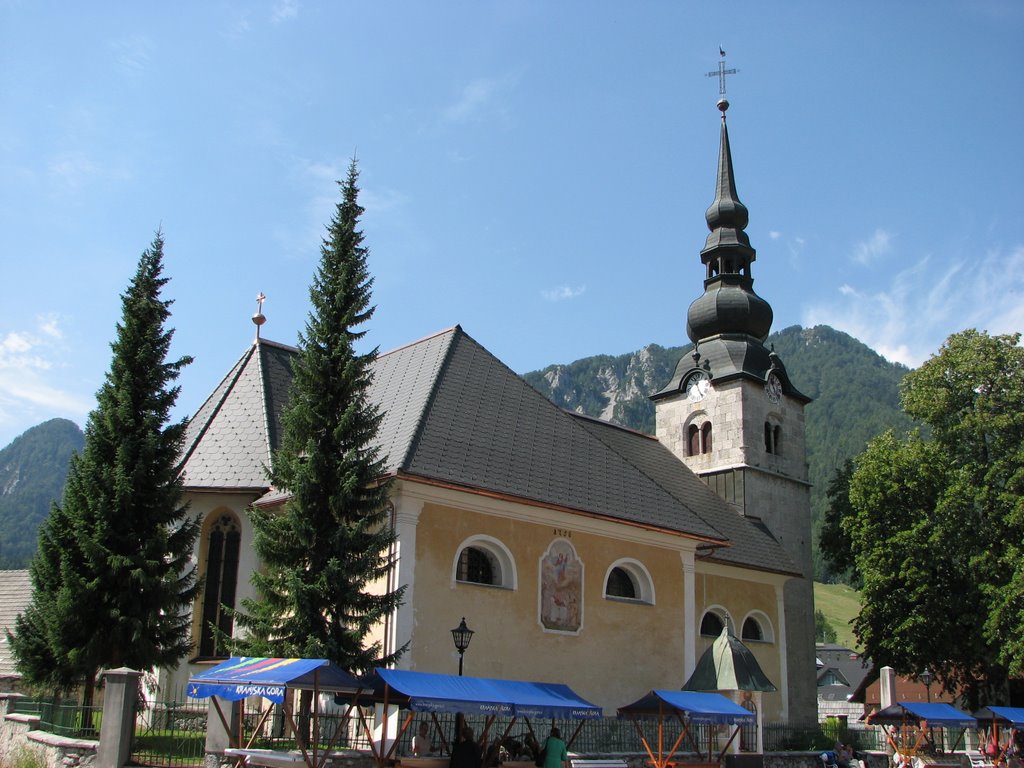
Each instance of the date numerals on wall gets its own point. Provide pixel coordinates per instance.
(562, 533)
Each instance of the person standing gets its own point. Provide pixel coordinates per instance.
(555, 752)
(421, 741)
(466, 753)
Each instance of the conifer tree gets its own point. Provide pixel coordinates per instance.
(112, 580)
(327, 552)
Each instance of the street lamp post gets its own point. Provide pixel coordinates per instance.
(461, 635)
(926, 678)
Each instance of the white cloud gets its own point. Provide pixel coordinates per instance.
(13, 343)
(879, 244)
(563, 293)
(284, 10)
(908, 320)
(479, 99)
(774, 235)
(49, 326)
(72, 168)
(132, 54)
(29, 360)
(318, 180)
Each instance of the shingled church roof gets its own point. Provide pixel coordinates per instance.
(455, 415)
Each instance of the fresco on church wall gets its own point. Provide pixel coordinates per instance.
(561, 588)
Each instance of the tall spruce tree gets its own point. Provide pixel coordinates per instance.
(327, 552)
(112, 580)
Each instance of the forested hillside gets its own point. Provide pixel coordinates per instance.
(33, 469)
(855, 391)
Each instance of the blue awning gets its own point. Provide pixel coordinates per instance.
(428, 692)
(1012, 715)
(698, 707)
(935, 714)
(242, 676)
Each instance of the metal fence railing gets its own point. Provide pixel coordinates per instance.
(170, 732)
(61, 716)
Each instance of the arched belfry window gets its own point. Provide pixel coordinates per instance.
(693, 440)
(698, 439)
(223, 542)
(772, 438)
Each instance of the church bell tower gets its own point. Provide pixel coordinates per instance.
(733, 416)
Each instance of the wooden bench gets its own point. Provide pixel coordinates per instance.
(422, 762)
(611, 762)
(978, 760)
(270, 758)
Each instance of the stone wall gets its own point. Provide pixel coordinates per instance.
(20, 732)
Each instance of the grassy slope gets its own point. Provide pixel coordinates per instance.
(840, 604)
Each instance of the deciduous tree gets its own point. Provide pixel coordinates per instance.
(936, 519)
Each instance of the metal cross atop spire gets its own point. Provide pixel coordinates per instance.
(721, 73)
(259, 318)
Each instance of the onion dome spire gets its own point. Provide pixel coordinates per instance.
(726, 212)
(729, 322)
(729, 304)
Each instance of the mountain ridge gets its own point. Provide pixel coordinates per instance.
(33, 470)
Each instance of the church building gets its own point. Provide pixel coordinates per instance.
(578, 551)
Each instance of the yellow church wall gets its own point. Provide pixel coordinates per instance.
(622, 648)
(740, 598)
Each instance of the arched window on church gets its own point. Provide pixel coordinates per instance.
(478, 566)
(629, 579)
(220, 579)
(693, 440)
(482, 559)
(711, 625)
(752, 630)
(757, 627)
(705, 435)
(768, 437)
(620, 584)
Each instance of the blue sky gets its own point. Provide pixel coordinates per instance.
(536, 171)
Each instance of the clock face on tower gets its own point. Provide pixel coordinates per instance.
(697, 386)
(773, 388)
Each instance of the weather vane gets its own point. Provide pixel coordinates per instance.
(721, 72)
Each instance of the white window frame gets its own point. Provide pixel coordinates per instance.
(508, 577)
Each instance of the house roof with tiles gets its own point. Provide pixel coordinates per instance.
(15, 596)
